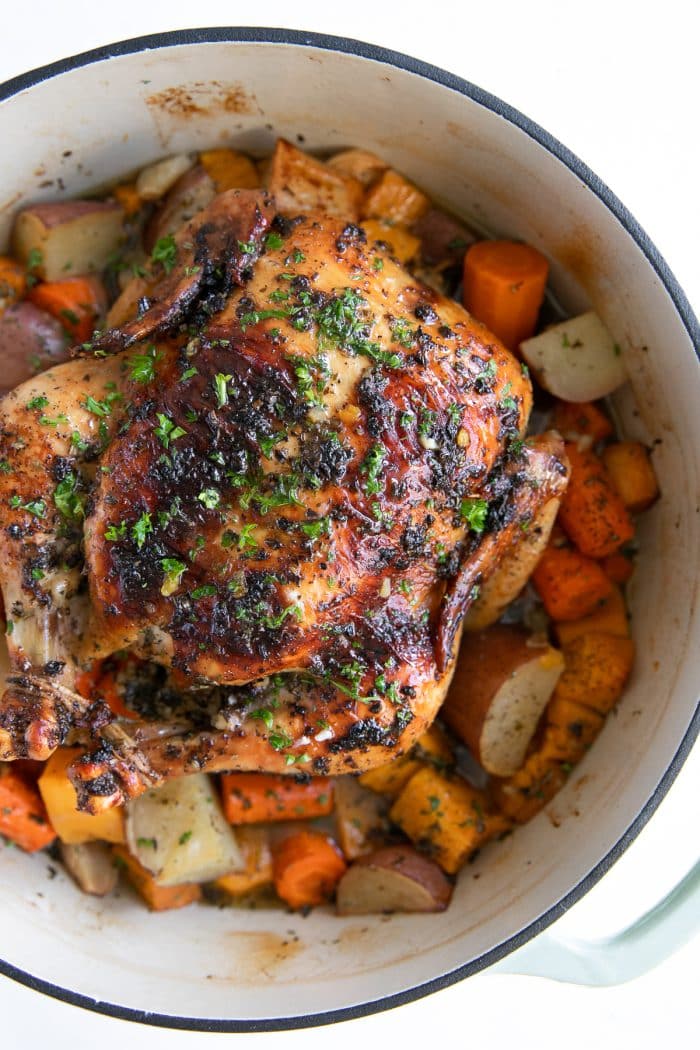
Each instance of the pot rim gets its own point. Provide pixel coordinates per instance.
(347, 45)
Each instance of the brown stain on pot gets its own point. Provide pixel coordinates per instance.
(203, 98)
(260, 954)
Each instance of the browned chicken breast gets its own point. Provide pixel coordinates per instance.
(284, 481)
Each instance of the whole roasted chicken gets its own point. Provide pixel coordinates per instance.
(281, 481)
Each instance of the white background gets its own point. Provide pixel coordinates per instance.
(618, 83)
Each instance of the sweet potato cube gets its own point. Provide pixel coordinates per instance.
(630, 469)
(610, 617)
(72, 825)
(229, 169)
(432, 748)
(445, 817)
(523, 795)
(596, 670)
(394, 199)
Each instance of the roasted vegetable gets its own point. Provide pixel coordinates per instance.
(251, 798)
(400, 241)
(393, 879)
(72, 825)
(577, 360)
(92, 866)
(306, 868)
(592, 512)
(446, 818)
(609, 617)
(504, 283)
(630, 469)
(68, 237)
(584, 422)
(190, 195)
(23, 818)
(301, 184)
(157, 897)
(359, 164)
(433, 748)
(229, 170)
(360, 817)
(569, 584)
(254, 844)
(393, 198)
(597, 667)
(13, 282)
(30, 341)
(154, 181)
(502, 684)
(77, 302)
(179, 834)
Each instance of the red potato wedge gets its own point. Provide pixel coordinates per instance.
(92, 866)
(513, 572)
(301, 184)
(502, 684)
(70, 237)
(360, 164)
(443, 239)
(190, 194)
(360, 817)
(30, 342)
(393, 879)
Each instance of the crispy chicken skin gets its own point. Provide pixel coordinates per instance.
(284, 481)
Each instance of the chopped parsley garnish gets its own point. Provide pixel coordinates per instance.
(115, 532)
(401, 332)
(474, 512)
(264, 715)
(255, 316)
(279, 740)
(274, 622)
(221, 388)
(246, 540)
(146, 843)
(371, 467)
(185, 837)
(165, 252)
(273, 241)
(174, 570)
(78, 442)
(35, 259)
(98, 408)
(38, 402)
(69, 502)
(428, 419)
(298, 256)
(167, 431)
(247, 247)
(377, 263)
(5, 467)
(188, 373)
(35, 507)
(143, 366)
(210, 498)
(311, 374)
(315, 529)
(141, 528)
(483, 381)
(207, 590)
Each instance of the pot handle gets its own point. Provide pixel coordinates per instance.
(613, 960)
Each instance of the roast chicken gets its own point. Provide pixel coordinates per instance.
(278, 483)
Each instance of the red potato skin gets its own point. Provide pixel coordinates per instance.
(485, 660)
(58, 212)
(412, 865)
(443, 239)
(31, 341)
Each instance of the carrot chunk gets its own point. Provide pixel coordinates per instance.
(306, 868)
(592, 512)
(618, 567)
(504, 285)
(13, 281)
(631, 472)
(77, 302)
(584, 420)
(569, 584)
(23, 818)
(253, 798)
(158, 898)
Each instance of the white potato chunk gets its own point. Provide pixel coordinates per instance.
(154, 181)
(577, 360)
(68, 237)
(179, 833)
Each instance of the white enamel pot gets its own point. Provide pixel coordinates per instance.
(77, 124)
